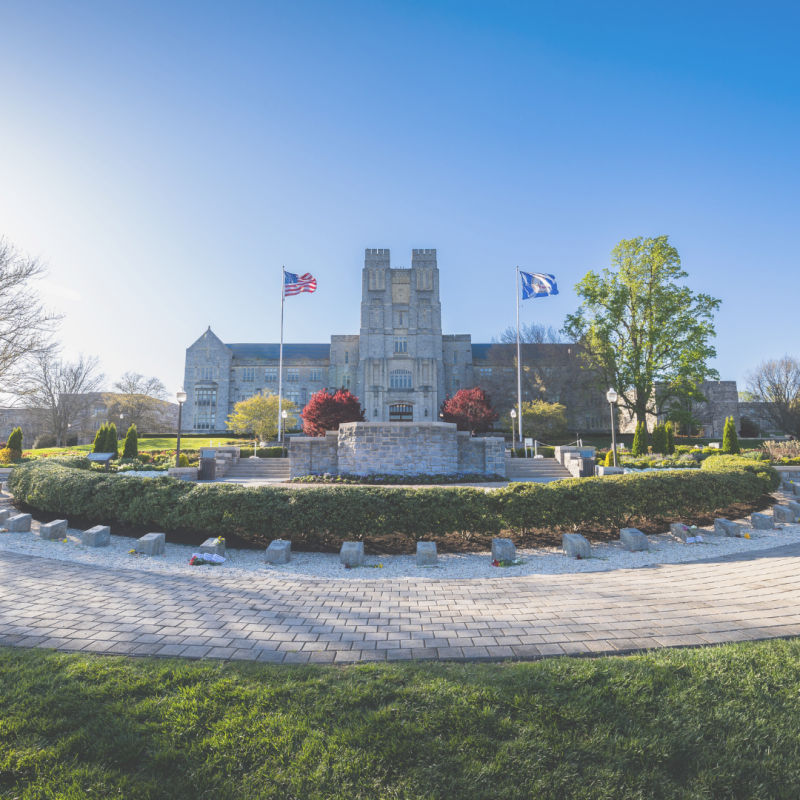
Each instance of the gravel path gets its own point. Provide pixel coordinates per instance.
(539, 561)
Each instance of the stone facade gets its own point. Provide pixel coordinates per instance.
(431, 448)
(400, 364)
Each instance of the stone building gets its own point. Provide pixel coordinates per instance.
(400, 364)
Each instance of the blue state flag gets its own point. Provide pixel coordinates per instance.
(537, 284)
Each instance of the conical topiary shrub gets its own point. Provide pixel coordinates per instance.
(99, 440)
(639, 447)
(131, 448)
(609, 462)
(730, 439)
(659, 440)
(112, 443)
(670, 439)
(15, 440)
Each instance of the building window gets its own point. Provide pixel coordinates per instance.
(401, 319)
(400, 344)
(400, 379)
(486, 373)
(205, 402)
(456, 384)
(206, 373)
(249, 374)
(346, 356)
(205, 398)
(293, 374)
(271, 374)
(315, 375)
(293, 397)
(245, 395)
(401, 413)
(455, 358)
(346, 381)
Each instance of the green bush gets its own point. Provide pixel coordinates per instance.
(353, 512)
(639, 447)
(15, 440)
(670, 439)
(730, 439)
(263, 452)
(112, 442)
(99, 440)
(131, 447)
(660, 440)
(183, 461)
(543, 450)
(609, 462)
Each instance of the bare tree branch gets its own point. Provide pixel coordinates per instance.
(26, 328)
(776, 384)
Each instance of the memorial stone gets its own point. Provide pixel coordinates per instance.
(503, 550)
(761, 522)
(426, 554)
(213, 546)
(20, 523)
(4, 515)
(724, 527)
(574, 545)
(99, 536)
(57, 529)
(279, 551)
(783, 514)
(633, 540)
(352, 554)
(151, 544)
(683, 531)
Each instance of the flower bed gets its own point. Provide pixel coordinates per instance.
(415, 479)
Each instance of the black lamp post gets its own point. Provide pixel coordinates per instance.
(181, 397)
(611, 396)
(284, 414)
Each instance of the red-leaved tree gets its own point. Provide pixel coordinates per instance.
(325, 412)
(470, 409)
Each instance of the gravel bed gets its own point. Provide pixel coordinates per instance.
(539, 561)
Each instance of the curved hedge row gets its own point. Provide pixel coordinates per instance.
(351, 512)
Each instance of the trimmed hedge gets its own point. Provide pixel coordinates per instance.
(350, 512)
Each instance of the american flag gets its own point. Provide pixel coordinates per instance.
(294, 284)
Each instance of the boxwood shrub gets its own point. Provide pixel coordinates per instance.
(355, 512)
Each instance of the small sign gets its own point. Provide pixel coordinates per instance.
(100, 456)
(528, 443)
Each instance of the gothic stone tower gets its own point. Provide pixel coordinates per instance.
(400, 370)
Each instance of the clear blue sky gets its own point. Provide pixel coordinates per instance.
(167, 158)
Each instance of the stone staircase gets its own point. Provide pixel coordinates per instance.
(538, 470)
(258, 470)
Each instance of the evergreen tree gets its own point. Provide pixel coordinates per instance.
(15, 440)
(670, 439)
(609, 462)
(660, 439)
(730, 439)
(131, 448)
(112, 443)
(639, 447)
(99, 440)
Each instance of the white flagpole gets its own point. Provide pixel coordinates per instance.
(519, 370)
(280, 356)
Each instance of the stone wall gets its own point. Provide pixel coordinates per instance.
(398, 449)
(308, 454)
(485, 455)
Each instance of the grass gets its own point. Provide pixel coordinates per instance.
(717, 722)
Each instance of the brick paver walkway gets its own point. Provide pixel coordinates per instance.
(53, 604)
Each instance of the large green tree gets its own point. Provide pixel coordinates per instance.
(641, 331)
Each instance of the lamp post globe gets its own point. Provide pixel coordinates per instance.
(612, 396)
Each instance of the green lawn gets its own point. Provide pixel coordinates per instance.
(163, 443)
(720, 722)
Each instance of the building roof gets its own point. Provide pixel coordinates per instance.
(480, 350)
(289, 350)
